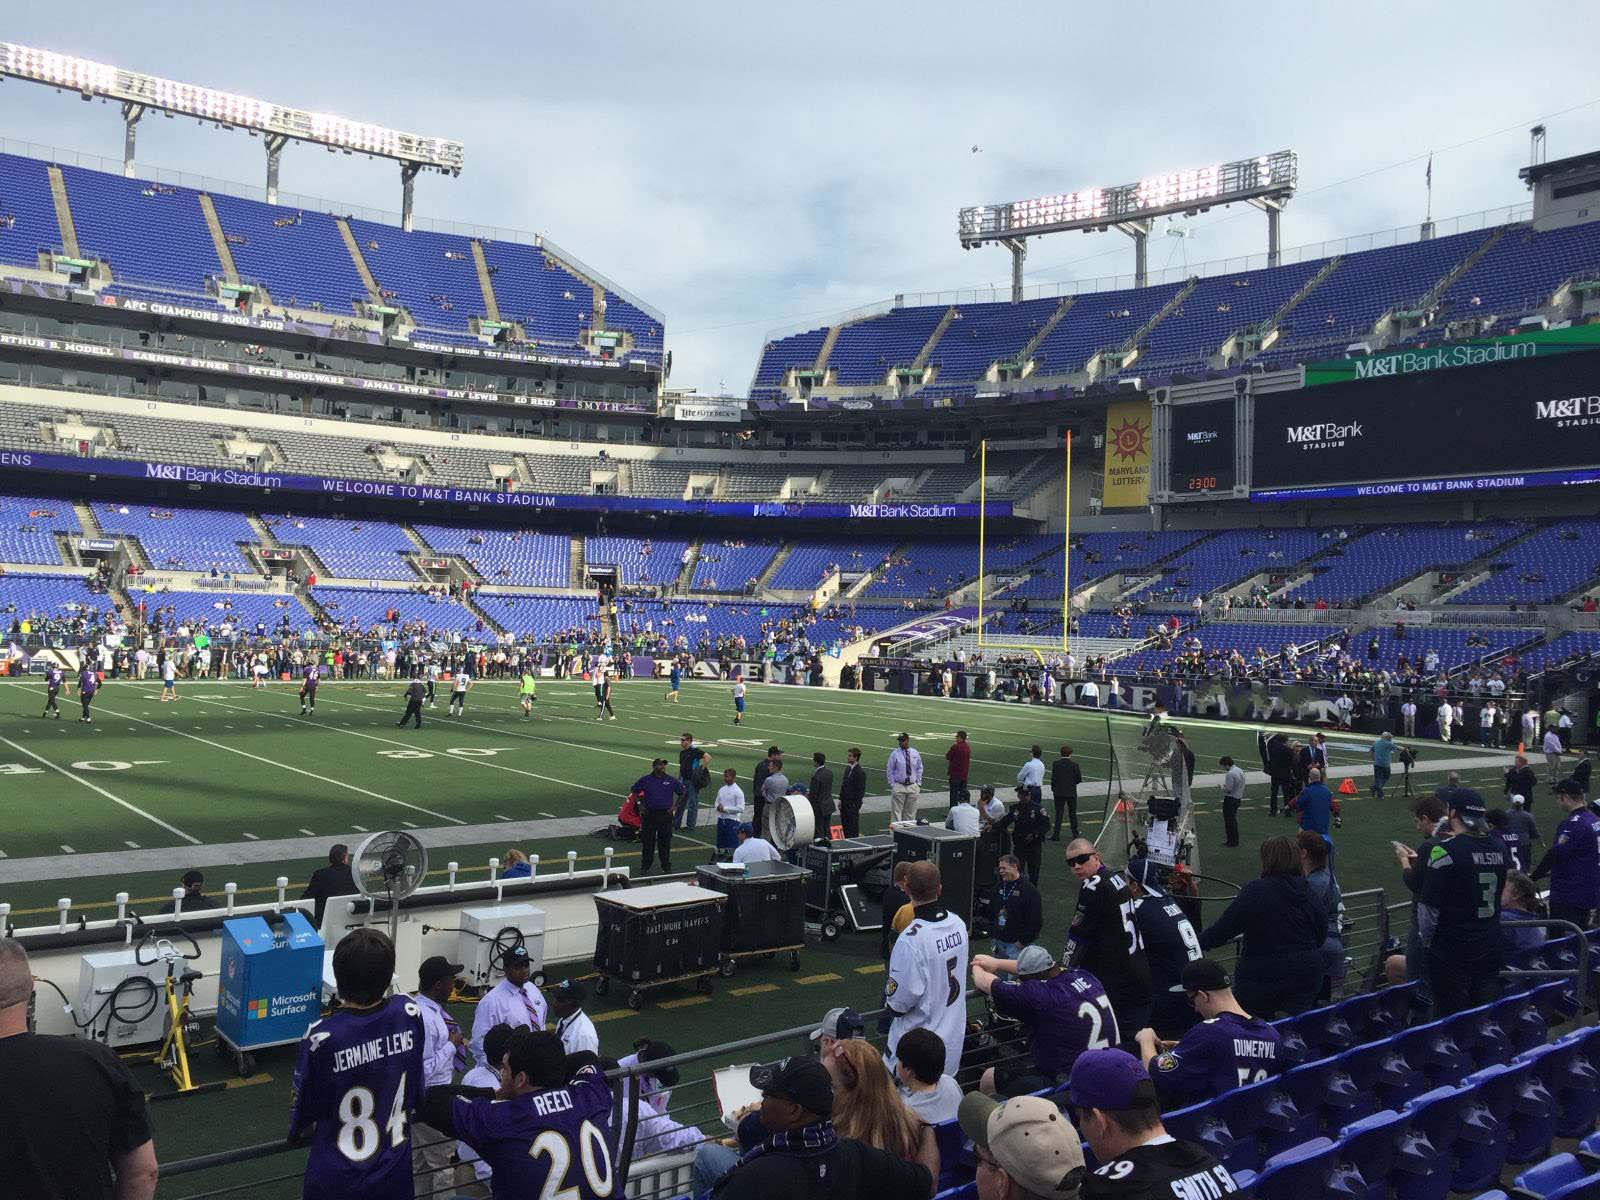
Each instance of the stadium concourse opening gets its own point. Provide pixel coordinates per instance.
(691, 726)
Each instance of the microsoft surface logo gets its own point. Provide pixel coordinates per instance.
(257, 1008)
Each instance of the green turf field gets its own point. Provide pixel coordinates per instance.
(200, 780)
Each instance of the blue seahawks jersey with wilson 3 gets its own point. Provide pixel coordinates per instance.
(358, 1078)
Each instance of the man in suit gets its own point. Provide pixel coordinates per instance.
(335, 879)
(852, 791)
(820, 792)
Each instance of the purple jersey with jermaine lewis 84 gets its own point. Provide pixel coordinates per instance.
(357, 1080)
(553, 1143)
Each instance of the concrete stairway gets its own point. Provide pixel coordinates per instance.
(69, 231)
(219, 239)
(923, 355)
(491, 306)
(368, 281)
(1027, 352)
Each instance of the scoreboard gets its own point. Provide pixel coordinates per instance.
(1201, 448)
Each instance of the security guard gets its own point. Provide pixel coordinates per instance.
(1104, 939)
(1458, 913)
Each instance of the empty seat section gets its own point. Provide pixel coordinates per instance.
(25, 199)
(299, 255)
(28, 525)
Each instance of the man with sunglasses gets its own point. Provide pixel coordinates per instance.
(1115, 1106)
(1104, 938)
(1228, 1048)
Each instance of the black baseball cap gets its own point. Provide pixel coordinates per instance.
(192, 878)
(1466, 804)
(570, 990)
(1203, 975)
(1569, 787)
(801, 1080)
(434, 969)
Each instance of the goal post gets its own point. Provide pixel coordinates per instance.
(987, 605)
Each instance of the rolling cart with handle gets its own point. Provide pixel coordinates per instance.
(656, 936)
(766, 910)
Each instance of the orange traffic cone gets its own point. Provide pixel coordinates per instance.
(1347, 788)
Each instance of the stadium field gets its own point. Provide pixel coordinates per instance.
(227, 778)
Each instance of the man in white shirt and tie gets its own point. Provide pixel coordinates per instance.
(513, 1001)
(443, 1053)
(573, 1026)
(1552, 753)
(905, 780)
(1031, 777)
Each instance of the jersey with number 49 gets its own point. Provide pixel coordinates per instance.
(927, 984)
(358, 1078)
(551, 1143)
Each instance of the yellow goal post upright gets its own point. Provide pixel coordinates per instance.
(1036, 646)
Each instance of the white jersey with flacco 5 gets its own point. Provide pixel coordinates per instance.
(927, 985)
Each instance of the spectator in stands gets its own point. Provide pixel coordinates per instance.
(1281, 927)
(839, 1025)
(1228, 1048)
(1065, 776)
(1573, 860)
(1524, 829)
(77, 1123)
(517, 865)
(867, 1105)
(852, 792)
(1519, 901)
(1458, 912)
(1099, 940)
(1063, 1012)
(335, 879)
(895, 898)
(1026, 1148)
(958, 766)
(1116, 1107)
(1314, 852)
(931, 1095)
(1170, 944)
(790, 1150)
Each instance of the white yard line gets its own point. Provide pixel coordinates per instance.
(95, 787)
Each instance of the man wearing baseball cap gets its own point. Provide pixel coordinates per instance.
(514, 1001)
(443, 1053)
(1573, 860)
(838, 1025)
(790, 1151)
(1227, 1049)
(1458, 912)
(573, 1026)
(1064, 1010)
(1116, 1109)
(1026, 1148)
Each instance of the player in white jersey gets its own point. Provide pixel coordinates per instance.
(435, 673)
(927, 984)
(259, 671)
(738, 702)
(459, 687)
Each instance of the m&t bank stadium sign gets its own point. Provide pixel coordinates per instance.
(1479, 352)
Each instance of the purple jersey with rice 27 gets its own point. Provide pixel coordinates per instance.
(552, 1143)
(358, 1078)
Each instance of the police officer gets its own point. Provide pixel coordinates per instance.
(1573, 860)
(1458, 913)
(416, 691)
(1104, 939)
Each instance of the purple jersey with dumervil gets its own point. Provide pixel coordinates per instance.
(564, 1131)
(357, 1081)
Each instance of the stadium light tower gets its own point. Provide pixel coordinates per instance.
(1266, 181)
(277, 124)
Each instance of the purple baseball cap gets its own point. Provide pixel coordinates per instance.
(1108, 1079)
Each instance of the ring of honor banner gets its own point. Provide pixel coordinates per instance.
(1127, 468)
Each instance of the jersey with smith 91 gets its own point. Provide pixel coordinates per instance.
(358, 1078)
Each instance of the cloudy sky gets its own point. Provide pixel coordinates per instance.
(746, 167)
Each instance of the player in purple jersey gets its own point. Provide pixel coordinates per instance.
(52, 689)
(1228, 1049)
(88, 685)
(308, 689)
(545, 1131)
(358, 1079)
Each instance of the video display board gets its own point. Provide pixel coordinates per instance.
(1200, 452)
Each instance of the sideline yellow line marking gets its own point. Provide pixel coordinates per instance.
(754, 990)
(244, 1083)
(684, 1002)
(829, 977)
(613, 1015)
(870, 969)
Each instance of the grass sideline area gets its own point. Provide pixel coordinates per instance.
(226, 764)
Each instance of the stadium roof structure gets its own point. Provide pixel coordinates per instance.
(278, 124)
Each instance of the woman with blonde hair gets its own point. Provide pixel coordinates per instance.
(867, 1106)
(516, 864)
